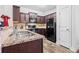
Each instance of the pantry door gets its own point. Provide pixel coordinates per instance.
(65, 25)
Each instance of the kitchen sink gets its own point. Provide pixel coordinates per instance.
(24, 33)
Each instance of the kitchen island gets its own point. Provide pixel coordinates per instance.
(23, 42)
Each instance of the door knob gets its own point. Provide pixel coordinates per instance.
(67, 29)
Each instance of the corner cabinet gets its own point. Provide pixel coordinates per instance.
(35, 46)
(40, 19)
(50, 16)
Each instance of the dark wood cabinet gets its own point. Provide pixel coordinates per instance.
(35, 46)
(32, 46)
(50, 16)
(16, 14)
(40, 19)
(27, 18)
(22, 17)
(53, 15)
(46, 19)
(41, 31)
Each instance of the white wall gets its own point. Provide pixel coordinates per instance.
(57, 23)
(1, 12)
(75, 27)
(6, 10)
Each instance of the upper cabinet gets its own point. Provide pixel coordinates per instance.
(40, 19)
(22, 17)
(32, 17)
(16, 13)
(50, 16)
(27, 18)
(46, 18)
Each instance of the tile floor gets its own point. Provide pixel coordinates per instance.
(50, 47)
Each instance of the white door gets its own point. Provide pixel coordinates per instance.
(65, 26)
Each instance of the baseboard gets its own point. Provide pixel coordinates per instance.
(73, 49)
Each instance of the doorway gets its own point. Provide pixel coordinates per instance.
(64, 18)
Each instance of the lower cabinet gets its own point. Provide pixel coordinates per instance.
(35, 46)
(41, 31)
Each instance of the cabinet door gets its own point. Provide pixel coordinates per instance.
(22, 17)
(41, 31)
(16, 13)
(46, 20)
(42, 19)
(11, 49)
(52, 15)
(35, 46)
(27, 18)
(48, 17)
(38, 19)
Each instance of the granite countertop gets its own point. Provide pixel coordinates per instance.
(39, 26)
(13, 39)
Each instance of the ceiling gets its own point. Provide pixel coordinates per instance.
(41, 8)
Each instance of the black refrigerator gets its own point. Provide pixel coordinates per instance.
(51, 30)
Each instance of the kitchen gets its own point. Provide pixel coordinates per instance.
(23, 21)
(32, 29)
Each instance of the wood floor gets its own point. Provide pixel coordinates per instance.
(50, 47)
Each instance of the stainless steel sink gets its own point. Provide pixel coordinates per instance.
(23, 34)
